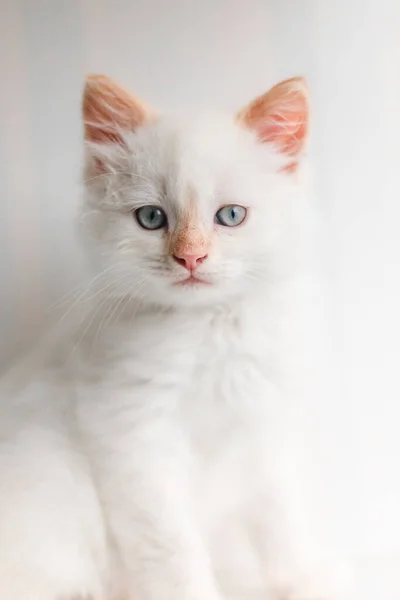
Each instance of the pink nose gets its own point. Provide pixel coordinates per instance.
(190, 260)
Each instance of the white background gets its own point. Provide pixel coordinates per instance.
(221, 53)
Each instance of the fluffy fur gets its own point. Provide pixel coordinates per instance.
(146, 450)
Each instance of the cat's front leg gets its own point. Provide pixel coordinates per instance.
(295, 566)
(160, 546)
(165, 560)
(149, 515)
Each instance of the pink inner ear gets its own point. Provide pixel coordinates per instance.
(280, 116)
(109, 109)
(287, 131)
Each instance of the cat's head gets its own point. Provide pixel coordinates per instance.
(194, 211)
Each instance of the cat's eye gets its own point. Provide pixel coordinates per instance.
(231, 215)
(151, 217)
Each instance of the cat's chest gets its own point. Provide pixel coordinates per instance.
(228, 379)
(202, 393)
(218, 369)
(225, 408)
(210, 379)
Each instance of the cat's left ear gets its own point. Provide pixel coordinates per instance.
(280, 117)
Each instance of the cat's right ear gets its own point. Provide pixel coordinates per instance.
(109, 111)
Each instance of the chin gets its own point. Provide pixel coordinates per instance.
(194, 294)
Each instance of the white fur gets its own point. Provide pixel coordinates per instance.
(146, 451)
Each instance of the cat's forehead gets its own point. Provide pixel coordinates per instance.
(179, 145)
(188, 160)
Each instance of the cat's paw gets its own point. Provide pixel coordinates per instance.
(313, 588)
(305, 594)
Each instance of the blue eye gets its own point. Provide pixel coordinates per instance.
(151, 217)
(231, 215)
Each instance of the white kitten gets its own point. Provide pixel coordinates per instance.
(147, 454)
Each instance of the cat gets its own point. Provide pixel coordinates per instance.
(145, 451)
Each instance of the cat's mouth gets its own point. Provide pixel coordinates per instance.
(192, 280)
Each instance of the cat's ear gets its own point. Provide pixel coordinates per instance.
(280, 117)
(109, 110)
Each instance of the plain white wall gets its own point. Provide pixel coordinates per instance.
(221, 53)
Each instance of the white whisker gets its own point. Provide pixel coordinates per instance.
(111, 311)
(99, 307)
(87, 285)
